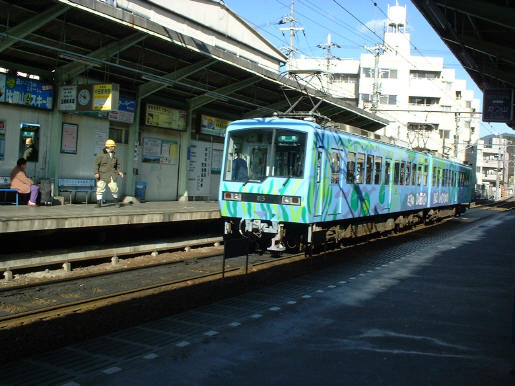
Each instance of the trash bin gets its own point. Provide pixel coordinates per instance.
(140, 190)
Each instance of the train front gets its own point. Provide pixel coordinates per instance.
(264, 181)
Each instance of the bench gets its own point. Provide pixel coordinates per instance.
(5, 189)
(76, 185)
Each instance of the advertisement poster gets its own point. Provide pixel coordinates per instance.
(166, 117)
(213, 126)
(26, 92)
(159, 150)
(125, 112)
(69, 138)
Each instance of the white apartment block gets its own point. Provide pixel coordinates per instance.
(428, 108)
(493, 157)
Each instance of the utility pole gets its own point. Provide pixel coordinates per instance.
(497, 192)
(293, 30)
(457, 135)
(327, 46)
(377, 50)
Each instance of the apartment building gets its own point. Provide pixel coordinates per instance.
(428, 108)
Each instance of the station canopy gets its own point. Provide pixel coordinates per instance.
(72, 40)
(480, 34)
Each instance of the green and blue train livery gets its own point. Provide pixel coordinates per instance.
(286, 183)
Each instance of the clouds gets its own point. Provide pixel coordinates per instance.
(376, 25)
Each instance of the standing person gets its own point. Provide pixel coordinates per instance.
(239, 168)
(24, 184)
(107, 168)
(30, 154)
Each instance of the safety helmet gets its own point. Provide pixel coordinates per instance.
(110, 143)
(28, 141)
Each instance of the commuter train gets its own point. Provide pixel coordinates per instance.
(303, 184)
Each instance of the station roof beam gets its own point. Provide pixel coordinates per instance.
(32, 24)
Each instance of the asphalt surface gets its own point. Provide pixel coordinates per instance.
(433, 311)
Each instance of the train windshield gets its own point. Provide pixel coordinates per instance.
(255, 154)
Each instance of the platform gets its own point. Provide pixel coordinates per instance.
(25, 218)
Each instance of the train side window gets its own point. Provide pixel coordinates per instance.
(379, 167)
(445, 177)
(426, 171)
(413, 173)
(403, 173)
(335, 167)
(396, 172)
(370, 169)
(454, 178)
(387, 172)
(351, 165)
(360, 168)
(419, 174)
(434, 175)
(408, 173)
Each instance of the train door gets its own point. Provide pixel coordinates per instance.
(388, 183)
(319, 182)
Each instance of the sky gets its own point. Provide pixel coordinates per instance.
(352, 25)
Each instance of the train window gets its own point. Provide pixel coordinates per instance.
(370, 169)
(377, 174)
(445, 177)
(387, 172)
(396, 172)
(426, 169)
(335, 167)
(360, 168)
(413, 173)
(419, 174)
(434, 175)
(408, 173)
(351, 165)
(402, 180)
(453, 178)
(267, 152)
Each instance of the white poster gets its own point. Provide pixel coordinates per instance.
(100, 140)
(199, 168)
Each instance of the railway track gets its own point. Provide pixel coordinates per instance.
(86, 309)
(95, 290)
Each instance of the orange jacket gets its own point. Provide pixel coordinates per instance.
(20, 181)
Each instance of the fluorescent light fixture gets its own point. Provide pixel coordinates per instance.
(81, 59)
(158, 79)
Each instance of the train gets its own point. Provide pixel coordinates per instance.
(294, 183)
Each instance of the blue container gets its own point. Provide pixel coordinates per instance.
(141, 186)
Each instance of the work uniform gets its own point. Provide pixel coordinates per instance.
(108, 167)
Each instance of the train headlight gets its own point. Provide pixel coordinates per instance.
(231, 196)
(290, 200)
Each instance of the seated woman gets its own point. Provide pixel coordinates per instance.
(22, 183)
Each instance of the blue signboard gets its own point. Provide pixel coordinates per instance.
(26, 92)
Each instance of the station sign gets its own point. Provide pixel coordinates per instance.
(498, 105)
(20, 91)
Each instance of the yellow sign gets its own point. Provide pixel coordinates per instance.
(105, 97)
(166, 117)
